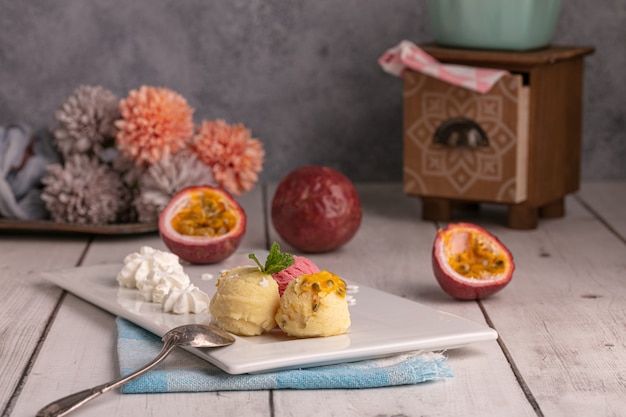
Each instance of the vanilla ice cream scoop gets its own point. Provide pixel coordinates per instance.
(314, 305)
(245, 302)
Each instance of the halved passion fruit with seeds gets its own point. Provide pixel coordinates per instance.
(202, 224)
(469, 262)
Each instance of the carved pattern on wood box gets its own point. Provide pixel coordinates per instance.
(496, 172)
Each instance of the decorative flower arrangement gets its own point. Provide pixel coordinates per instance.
(124, 159)
(236, 158)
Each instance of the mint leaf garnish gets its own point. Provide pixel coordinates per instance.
(275, 262)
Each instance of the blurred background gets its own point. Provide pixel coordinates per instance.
(302, 75)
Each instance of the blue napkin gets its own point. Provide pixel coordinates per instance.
(184, 372)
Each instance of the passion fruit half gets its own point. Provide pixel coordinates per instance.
(202, 224)
(469, 262)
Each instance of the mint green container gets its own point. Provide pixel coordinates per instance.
(514, 25)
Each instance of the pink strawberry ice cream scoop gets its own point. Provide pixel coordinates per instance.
(301, 266)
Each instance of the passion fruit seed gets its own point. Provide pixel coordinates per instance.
(205, 214)
(322, 283)
(478, 261)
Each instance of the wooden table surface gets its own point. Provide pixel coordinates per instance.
(561, 320)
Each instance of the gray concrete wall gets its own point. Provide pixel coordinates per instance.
(301, 74)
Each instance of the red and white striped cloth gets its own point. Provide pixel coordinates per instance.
(408, 55)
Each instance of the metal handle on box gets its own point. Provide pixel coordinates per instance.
(460, 132)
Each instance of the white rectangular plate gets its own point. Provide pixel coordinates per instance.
(382, 324)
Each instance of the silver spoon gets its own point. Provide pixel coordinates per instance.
(194, 335)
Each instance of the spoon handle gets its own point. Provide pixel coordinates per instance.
(67, 404)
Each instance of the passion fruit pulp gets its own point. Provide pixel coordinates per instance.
(202, 224)
(469, 262)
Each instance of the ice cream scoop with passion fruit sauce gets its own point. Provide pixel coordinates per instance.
(247, 300)
(314, 305)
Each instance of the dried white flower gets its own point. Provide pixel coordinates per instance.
(87, 122)
(83, 191)
(159, 183)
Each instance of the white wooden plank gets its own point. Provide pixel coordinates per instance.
(27, 300)
(608, 200)
(562, 319)
(563, 316)
(70, 363)
(80, 353)
(392, 251)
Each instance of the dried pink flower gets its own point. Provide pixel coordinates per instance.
(156, 123)
(236, 158)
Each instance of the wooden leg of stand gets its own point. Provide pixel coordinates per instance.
(553, 210)
(436, 209)
(522, 217)
(468, 206)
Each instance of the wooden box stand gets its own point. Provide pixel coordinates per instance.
(517, 145)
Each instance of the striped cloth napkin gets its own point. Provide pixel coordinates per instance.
(184, 372)
(407, 55)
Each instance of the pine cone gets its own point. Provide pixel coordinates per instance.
(159, 183)
(87, 122)
(84, 191)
